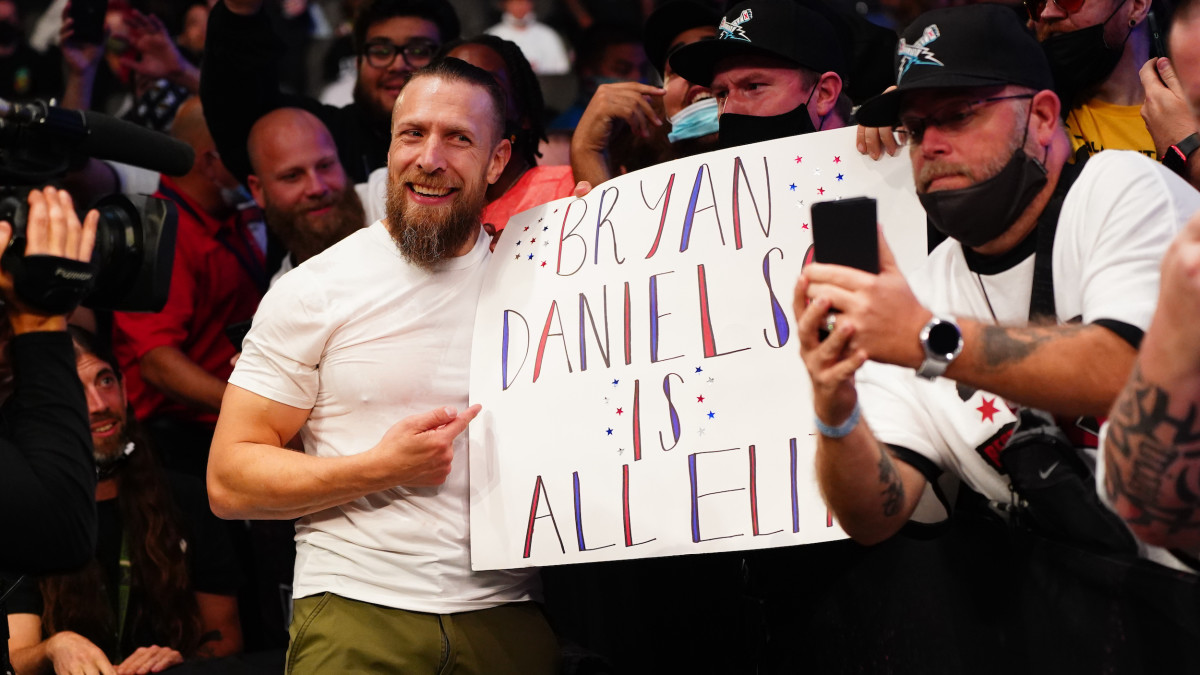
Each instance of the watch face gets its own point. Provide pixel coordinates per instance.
(944, 338)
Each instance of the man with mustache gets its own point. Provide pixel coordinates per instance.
(375, 329)
(299, 182)
(1038, 298)
(240, 76)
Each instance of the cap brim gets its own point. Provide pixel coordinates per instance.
(697, 61)
(884, 109)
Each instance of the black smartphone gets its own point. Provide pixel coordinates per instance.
(236, 332)
(1158, 46)
(844, 233)
(88, 17)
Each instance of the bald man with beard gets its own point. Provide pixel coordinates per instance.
(299, 182)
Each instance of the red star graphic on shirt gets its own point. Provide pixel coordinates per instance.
(700, 399)
(988, 410)
(820, 190)
(798, 158)
(836, 159)
(620, 411)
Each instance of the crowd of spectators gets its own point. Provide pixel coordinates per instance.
(289, 108)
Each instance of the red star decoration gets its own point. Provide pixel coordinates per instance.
(543, 263)
(988, 410)
(526, 229)
(532, 240)
(798, 158)
(700, 399)
(836, 159)
(804, 226)
(820, 191)
(620, 410)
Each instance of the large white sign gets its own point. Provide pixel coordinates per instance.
(636, 359)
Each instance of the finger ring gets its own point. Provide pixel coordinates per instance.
(830, 322)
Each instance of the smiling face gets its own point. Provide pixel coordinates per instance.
(300, 183)
(106, 404)
(379, 87)
(447, 147)
(679, 92)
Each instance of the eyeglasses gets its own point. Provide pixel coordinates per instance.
(416, 53)
(1035, 7)
(912, 128)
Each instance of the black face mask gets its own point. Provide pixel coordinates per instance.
(734, 130)
(10, 34)
(979, 213)
(1080, 60)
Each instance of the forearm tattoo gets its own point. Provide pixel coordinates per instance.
(893, 487)
(1003, 345)
(1153, 456)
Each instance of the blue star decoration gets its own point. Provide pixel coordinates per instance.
(545, 228)
(792, 187)
(699, 369)
(841, 177)
(608, 431)
(615, 382)
(518, 243)
(711, 414)
(531, 256)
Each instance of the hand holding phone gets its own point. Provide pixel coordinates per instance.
(87, 20)
(845, 233)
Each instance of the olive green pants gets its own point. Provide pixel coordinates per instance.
(332, 634)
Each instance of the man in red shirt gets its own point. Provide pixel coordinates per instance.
(177, 361)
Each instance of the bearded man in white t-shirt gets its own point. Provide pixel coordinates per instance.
(364, 352)
(920, 378)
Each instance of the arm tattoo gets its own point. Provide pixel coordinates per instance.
(1153, 457)
(1003, 345)
(893, 487)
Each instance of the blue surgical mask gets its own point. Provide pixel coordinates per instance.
(696, 120)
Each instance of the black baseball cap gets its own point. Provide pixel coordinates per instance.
(971, 46)
(779, 28)
(667, 22)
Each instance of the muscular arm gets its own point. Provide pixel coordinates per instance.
(1152, 450)
(177, 376)
(251, 474)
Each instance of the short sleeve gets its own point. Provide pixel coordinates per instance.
(282, 351)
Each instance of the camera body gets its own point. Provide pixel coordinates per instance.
(131, 263)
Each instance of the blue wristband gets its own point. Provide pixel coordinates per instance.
(842, 430)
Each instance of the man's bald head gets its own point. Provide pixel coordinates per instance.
(299, 181)
(277, 131)
(190, 126)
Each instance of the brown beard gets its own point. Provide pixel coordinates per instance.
(305, 236)
(428, 235)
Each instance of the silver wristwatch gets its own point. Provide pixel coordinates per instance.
(942, 341)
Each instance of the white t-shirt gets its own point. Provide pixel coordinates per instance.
(364, 339)
(1115, 224)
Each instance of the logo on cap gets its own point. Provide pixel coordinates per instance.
(918, 54)
(734, 30)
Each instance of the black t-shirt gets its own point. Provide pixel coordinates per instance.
(211, 561)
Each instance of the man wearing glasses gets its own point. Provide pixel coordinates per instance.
(240, 79)
(914, 380)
